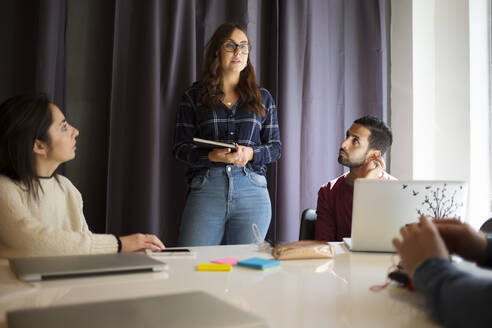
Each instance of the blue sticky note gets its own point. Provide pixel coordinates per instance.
(258, 263)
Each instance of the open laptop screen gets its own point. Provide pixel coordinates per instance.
(382, 207)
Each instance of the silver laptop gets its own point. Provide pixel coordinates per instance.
(193, 309)
(39, 268)
(382, 207)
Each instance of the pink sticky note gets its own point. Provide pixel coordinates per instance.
(226, 260)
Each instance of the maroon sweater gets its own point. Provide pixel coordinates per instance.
(334, 209)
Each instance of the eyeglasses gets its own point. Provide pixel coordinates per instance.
(231, 46)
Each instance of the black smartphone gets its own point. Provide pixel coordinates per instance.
(175, 250)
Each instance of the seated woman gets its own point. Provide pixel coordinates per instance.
(41, 211)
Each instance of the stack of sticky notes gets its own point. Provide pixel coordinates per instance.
(226, 263)
(226, 260)
(214, 267)
(258, 263)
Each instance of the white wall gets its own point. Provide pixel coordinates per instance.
(479, 110)
(439, 96)
(401, 94)
(425, 125)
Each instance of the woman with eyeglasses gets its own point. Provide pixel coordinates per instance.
(41, 211)
(228, 198)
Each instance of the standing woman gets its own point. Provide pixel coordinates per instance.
(41, 211)
(227, 189)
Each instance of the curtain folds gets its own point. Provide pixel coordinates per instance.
(322, 60)
(33, 56)
(330, 73)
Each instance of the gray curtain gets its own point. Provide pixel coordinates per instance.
(164, 42)
(89, 52)
(330, 73)
(32, 35)
(128, 62)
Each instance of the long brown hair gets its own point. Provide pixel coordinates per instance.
(23, 119)
(210, 92)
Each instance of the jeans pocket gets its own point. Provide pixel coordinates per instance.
(257, 179)
(197, 182)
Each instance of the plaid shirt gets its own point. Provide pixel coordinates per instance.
(225, 125)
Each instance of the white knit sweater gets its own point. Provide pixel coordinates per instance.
(54, 224)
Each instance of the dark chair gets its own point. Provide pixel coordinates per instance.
(308, 221)
(487, 227)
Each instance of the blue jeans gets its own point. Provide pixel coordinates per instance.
(225, 200)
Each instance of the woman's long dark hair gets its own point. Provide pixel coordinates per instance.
(210, 94)
(23, 119)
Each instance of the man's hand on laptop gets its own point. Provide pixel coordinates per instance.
(140, 242)
(374, 166)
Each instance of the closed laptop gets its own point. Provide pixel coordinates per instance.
(192, 309)
(53, 267)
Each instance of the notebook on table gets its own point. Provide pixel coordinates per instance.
(193, 309)
(40, 268)
(382, 207)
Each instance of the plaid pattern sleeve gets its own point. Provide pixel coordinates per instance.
(269, 149)
(186, 129)
(237, 124)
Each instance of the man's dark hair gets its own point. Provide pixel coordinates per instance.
(381, 136)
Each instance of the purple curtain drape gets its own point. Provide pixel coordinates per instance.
(33, 52)
(330, 73)
(322, 60)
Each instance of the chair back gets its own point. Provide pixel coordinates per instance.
(308, 222)
(487, 227)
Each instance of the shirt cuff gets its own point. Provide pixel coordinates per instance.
(257, 155)
(427, 270)
(119, 243)
(103, 244)
(488, 254)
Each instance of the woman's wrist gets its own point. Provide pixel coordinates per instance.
(251, 154)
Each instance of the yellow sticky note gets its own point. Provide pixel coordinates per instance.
(214, 267)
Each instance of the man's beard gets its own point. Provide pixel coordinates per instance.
(351, 164)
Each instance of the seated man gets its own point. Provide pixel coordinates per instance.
(367, 140)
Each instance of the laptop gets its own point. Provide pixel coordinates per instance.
(192, 309)
(382, 207)
(53, 267)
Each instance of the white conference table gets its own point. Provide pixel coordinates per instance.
(300, 293)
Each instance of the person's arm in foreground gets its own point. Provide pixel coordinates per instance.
(456, 298)
(461, 239)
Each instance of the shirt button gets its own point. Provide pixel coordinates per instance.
(229, 169)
